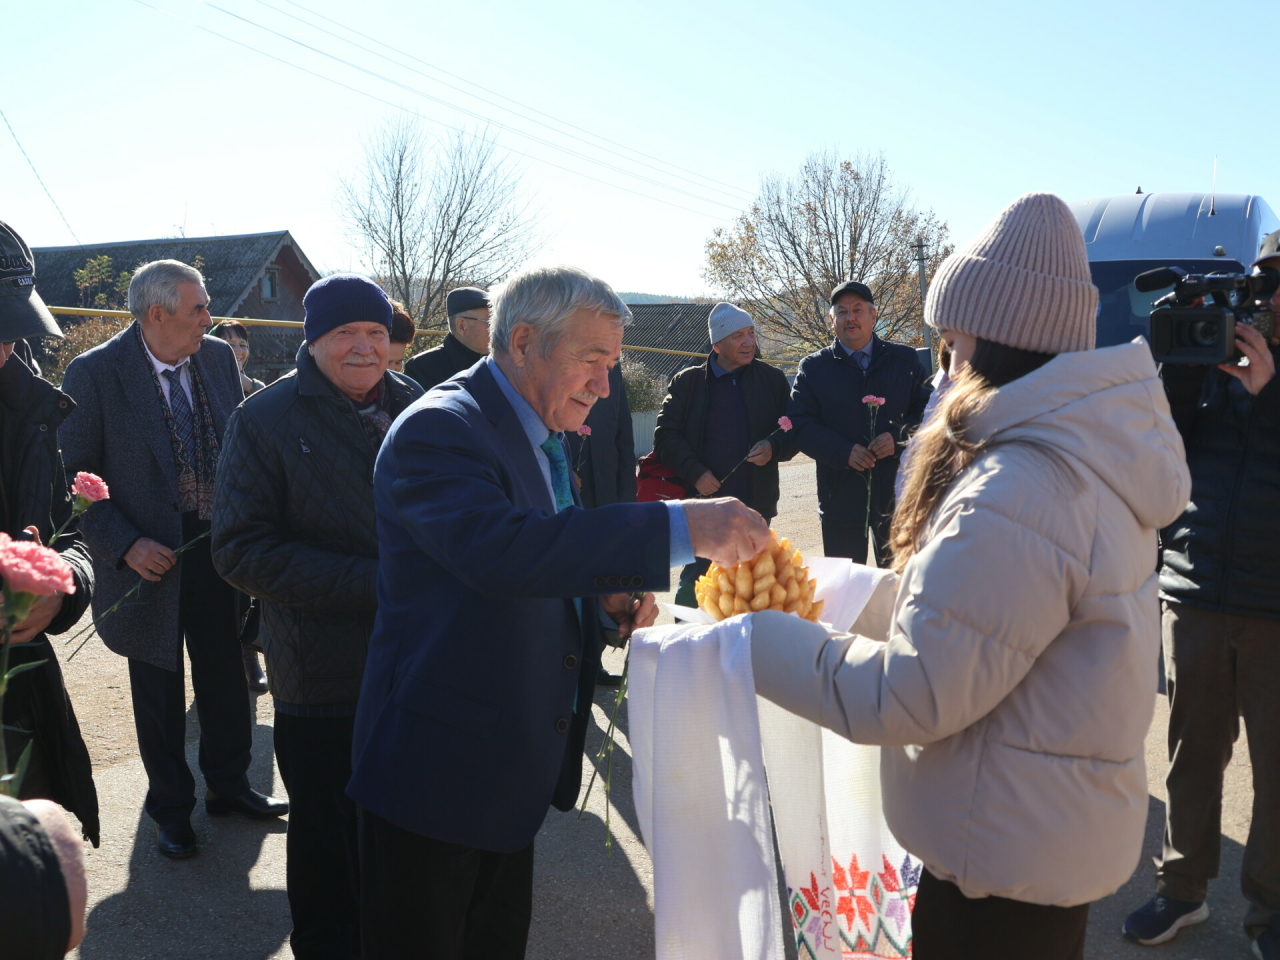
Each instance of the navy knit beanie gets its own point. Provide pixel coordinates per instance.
(343, 298)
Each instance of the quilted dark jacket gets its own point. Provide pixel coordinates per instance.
(1223, 553)
(433, 367)
(293, 524)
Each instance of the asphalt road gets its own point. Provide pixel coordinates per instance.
(229, 902)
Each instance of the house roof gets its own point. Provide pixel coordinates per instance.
(671, 326)
(231, 264)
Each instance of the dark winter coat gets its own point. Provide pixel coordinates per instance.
(830, 418)
(682, 428)
(118, 431)
(435, 366)
(294, 525)
(1223, 553)
(605, 461)
(35, 493)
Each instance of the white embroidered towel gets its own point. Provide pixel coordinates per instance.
(700, 793)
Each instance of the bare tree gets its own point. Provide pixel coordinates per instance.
(433, 215)
(836, 220)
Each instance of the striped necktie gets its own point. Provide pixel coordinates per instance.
(184, 422)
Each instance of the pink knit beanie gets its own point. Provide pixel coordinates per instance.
(1023, 281)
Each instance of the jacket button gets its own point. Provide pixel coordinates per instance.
(612, 581)
(44, 428)
(637, 581)
(570, 662)
(562, 725)
(600, 582)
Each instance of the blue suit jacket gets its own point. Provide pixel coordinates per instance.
(466, 728)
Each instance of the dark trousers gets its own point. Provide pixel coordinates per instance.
(947, 925)
(844, 536)
(322, 873)
(1220, 667)
(206, 613)
(423, 899)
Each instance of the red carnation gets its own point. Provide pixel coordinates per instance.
(584, 431)
(784, 423)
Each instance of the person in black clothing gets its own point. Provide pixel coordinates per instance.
(833, 425)
(293, 524)
(1220, 586)
(34, 501)
(42, 882)
(719, 412)
(465, 343)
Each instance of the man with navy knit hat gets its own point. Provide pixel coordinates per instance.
(293, 524)
(719, 412)
(833, 424)
(466, 342)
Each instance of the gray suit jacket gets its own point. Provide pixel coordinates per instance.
(118, 432)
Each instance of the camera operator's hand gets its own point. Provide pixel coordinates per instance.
(1262, 365)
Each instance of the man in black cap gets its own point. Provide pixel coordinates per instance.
(833, 424)
(466, 342)
(35, 502)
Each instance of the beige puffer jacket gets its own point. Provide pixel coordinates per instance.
(1018, 680)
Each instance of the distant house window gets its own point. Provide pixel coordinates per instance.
(271, 285)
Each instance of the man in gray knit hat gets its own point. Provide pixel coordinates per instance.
(718, 414)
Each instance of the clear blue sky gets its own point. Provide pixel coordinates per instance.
(142, 125)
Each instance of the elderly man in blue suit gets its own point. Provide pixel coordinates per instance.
(492, 580)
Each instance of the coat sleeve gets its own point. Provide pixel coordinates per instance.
(72, 549)
(962, 639)
(784, 441)
(107, 531)
(1182, 387)
(252, 549)
(626, 441)
(670, 442)
(921, 390)
(813, 437)
(450, 496)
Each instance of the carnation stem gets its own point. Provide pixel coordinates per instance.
(605, 755)
(116, 606)
(725, 478)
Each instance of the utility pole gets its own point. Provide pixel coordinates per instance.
(924, 289)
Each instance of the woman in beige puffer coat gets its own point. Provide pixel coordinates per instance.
(1010, 671)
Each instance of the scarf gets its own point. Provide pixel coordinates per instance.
(195, 480)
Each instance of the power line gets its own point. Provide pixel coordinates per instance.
(461, 109)
(401, 107)
(39, 179)
(732, 191)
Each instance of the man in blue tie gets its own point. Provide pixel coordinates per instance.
(151, 405)
(492, 581)
(833, 424)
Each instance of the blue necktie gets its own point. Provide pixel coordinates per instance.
(553, 447)
(863, 359)
(183, 420)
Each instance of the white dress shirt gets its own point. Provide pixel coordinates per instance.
(184, 377)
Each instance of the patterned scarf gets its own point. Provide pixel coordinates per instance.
(375, 415)
(195, 480)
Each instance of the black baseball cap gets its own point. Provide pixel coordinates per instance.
(854, 287)
(1270, 247)
(465, 298)
(22, 313)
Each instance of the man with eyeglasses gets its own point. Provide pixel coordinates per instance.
(834, 426)
(466, 342)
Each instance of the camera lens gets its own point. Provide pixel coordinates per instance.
(1204, 333)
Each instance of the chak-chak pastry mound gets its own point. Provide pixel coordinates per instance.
(774, 579)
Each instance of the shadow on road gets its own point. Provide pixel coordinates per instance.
(204, 907)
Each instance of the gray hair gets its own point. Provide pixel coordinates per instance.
(156, 284)
(545, 298)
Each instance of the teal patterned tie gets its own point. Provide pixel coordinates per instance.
(553, 447)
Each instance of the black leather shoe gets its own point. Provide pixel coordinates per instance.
(251, 804)
(253, 674)
(606, 679)
(177, 841)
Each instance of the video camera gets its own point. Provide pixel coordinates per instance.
(1186, 331)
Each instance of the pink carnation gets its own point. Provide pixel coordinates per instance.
(584, 431)
(784, 423)
(90, 486)
(871, 400)
(28, 567)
